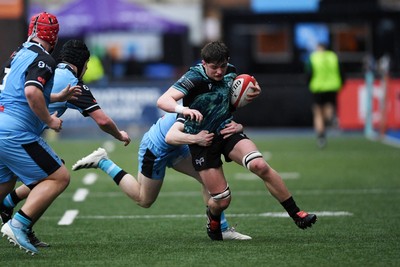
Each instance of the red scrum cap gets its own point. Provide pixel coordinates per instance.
(44, 26)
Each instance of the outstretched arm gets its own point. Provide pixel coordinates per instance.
(108, 125)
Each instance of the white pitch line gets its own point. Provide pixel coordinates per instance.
(80, 194)
(109, 146)
(290, 175)
(68, 217)
(90, 178)
(267, 155)
(173, 216)
(370, 191)
(252, 176)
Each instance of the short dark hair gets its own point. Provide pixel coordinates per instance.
(215, 52)
(75, 52)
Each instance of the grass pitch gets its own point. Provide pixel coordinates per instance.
(353, 185)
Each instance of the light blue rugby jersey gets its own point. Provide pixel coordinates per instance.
(62, 77)
(30, 65)
(159, 130)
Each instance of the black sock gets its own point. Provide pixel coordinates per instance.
(290, 206)
(212, 216)
(16, 199)
(117, 179)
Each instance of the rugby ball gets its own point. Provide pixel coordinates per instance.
(240, 88)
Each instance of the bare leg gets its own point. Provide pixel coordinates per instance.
(44, 193)
(328, 113)
(185, 166)
(215, 183)
(272, 181)
(22, 191)
(260, 167)
(6, 188)
(319, 124)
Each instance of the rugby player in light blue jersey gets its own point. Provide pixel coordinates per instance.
(155, 155)
(26, 93)
(73, 58)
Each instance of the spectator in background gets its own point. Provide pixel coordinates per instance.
(324, 80)
(95, 70)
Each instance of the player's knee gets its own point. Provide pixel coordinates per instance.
(253, 161)
(222, 199)
(31, 186)
(145, 204)
(225, 204)
(260, 167)
(65, 181)
(63, 178)
(225, 194)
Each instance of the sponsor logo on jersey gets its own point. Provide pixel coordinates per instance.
(43, 65)
(41, 80)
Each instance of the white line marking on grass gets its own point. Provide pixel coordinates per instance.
(290, 175)
(267, 155)
(90, 178)
(173, 216)
(246, 176)
(68, 217)
(252, 176)
(319, 214)
(372, 191)
(80, 194)
(109, 146)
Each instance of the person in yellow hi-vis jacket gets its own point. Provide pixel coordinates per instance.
(95, 70)
(325, 80)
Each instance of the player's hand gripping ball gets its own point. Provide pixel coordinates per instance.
(241, 87)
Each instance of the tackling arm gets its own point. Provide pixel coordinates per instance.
(107, 125)
(176, 136)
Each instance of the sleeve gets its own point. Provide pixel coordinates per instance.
(180, 118)
(85, 103)
(40, 71)
(187, 82)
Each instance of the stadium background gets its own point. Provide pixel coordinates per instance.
(146, 45)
